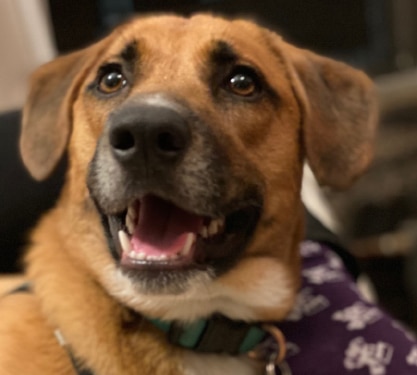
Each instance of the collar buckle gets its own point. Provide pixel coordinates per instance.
(272, 352)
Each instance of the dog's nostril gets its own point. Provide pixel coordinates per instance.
(169, 142)
(122, 140)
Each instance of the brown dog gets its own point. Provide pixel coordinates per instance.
(186, 141)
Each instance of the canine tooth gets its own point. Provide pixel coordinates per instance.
(131, 217)
(131, 212)
(132, 254)
(130, 224)
(124, 241)
(188, 243)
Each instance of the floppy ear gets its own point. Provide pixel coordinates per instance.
(340, 115)
(47, 114)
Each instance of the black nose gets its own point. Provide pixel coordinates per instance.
(149, 133)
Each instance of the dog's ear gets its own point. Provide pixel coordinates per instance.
(47, 114)
(340, 115)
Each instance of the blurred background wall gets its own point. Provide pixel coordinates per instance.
(26, 41)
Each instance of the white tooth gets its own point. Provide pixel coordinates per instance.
(131, 211)
(213, 228)
(188, 244)
(130, 224)
(131, 218)
(124, 241)
(140, 256)
(163, 257)
(132, 254)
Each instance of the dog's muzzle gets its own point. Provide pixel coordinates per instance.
(161, 183)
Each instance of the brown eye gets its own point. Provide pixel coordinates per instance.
(111, 82)
(243, 82)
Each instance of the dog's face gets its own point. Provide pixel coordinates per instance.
(186, 143)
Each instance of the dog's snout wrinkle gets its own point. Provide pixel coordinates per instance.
(149, 134)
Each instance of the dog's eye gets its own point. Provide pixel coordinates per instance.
(243, 81)
(111, 81)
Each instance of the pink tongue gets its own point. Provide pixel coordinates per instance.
(162, 228)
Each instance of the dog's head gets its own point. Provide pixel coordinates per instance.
(186, 142)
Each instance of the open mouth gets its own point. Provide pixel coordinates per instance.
(154, 234)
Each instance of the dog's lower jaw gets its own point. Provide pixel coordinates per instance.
(266, 296)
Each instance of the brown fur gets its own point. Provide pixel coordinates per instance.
(325, 111)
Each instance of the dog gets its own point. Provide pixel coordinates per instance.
(186, 140)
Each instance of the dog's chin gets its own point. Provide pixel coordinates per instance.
(162, 248)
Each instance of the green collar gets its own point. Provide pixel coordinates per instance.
(215, 335)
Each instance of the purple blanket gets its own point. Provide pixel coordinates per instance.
(333, 330)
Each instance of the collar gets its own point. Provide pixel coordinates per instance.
(265, 343)
(208, 335)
